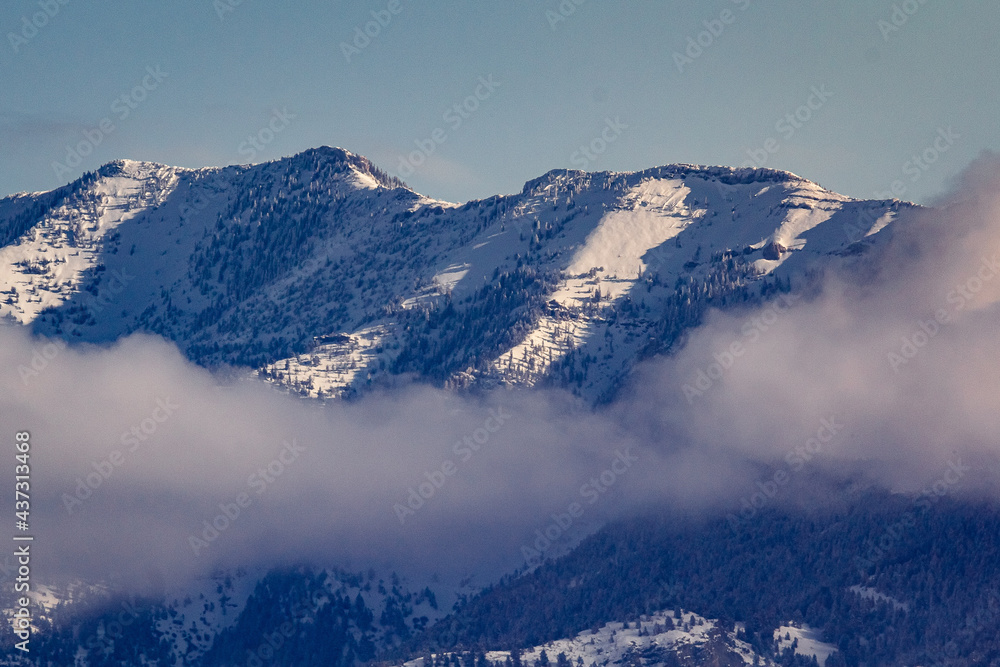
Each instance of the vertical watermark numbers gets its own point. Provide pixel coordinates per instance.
(22, 523)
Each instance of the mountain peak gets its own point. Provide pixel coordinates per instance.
(126, 167)
(549, 277)
(314, 159)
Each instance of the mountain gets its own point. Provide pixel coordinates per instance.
(787, 588)
(326, 276)
(869, 576)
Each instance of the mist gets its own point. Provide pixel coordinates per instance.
(898, 347)
(146, 468)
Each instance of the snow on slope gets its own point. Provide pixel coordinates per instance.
(614, 644)
(653, 639)
(329, 277)
(46, 264)
(872, 594)
(805, 640)
(630, 241)
(324, 274)
(191, 620)
(196, 615)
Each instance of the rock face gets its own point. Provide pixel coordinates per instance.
(327, 276)
(773, 251)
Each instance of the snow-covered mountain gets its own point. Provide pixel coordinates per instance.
(323, 275)
(327, 276)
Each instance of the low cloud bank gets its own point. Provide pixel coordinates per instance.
(145, 468)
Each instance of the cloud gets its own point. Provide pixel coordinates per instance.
(146, 467)
(142, 461)
(899, 345)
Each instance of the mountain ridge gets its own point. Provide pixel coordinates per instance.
(328, 276)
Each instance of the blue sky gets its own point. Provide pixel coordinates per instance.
(637, 84)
